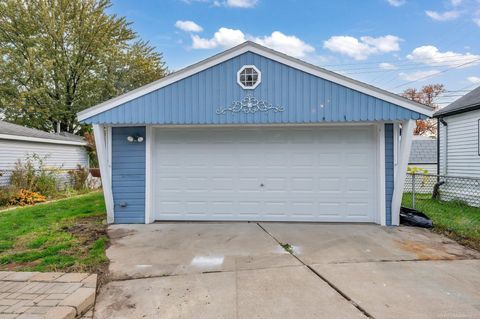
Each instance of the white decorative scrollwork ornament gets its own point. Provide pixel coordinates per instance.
(249, 105)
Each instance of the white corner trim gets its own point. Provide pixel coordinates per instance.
(381, 174)
(109, 150)
(39, 140)
(268, 53)
(399, 186)
(396, 144)
(149, 216)
(102, 153)
(259, 79)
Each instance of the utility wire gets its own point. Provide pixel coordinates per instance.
(440, 72)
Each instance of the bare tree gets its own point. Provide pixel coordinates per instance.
(426, 95)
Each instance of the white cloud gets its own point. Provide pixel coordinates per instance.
(456, 3)
(476, 21)
(288, 44)
(396, 3)
(361, 49)
(429, 54)
(227, 3)
(224, 37)
(415, 76)
(188, 26)
(388, 43)
(387, 66)
(474, 79)
(227, 38)
(241, 3)
(445, 16)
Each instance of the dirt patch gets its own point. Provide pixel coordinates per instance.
(87, 231)
(20, 266)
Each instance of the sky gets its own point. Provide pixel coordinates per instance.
(392, 44)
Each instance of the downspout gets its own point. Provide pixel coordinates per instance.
(441, 120)
(436, 187)
(438, 147)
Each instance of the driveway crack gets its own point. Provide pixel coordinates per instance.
(340, 292)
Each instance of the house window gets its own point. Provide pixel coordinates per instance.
(249, 77)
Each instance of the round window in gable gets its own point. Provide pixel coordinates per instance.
(249, 77)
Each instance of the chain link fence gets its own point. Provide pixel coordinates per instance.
(421, 189)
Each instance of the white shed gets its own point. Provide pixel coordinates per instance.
(18, 142)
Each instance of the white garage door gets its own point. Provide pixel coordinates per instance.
(265, 174)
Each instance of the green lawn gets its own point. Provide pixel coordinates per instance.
(66, 235)
(457, 220)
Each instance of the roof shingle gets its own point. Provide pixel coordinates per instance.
(470, 100)
(18, 130)
(423, 152)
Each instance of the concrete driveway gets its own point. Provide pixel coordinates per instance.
(287, 270)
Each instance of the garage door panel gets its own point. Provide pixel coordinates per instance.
(309, 174)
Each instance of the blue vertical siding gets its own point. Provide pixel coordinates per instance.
(128, 175)
(306, 99)
(389, 169)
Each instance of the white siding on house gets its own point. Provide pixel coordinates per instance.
(462, 158)
(58, 155)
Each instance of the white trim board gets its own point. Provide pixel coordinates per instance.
(268, 53)
(39, 140)
(401, 173)
(103, 154)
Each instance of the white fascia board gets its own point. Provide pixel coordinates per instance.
(39, 140)
(268, 53)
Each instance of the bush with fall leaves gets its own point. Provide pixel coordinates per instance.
(25, 197)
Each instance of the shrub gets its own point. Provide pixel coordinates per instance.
(47, 182)
(26, 197)
(6, 194)
(78, 178)
(34, 176)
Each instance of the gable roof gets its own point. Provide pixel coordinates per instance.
(266, 52)
(9, 131)
(468, 102)
(424, 151)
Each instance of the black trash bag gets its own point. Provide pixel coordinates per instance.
(412, 217)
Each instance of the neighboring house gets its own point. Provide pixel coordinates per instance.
(18, 142)
(459, 148)
(423, 154)
(459, 129)
(254, 134)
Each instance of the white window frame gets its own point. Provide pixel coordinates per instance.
(259, 79)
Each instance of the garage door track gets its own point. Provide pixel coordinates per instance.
(287, 270)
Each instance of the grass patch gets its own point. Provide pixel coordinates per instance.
(457, 220)
(65, 235)
(287, 247)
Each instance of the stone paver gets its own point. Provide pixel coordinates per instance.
(34, 295)
(81, 300)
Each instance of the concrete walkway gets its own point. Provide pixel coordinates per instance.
(287, 270)
(34, 295)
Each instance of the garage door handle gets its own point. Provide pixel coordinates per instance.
(261, 185)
